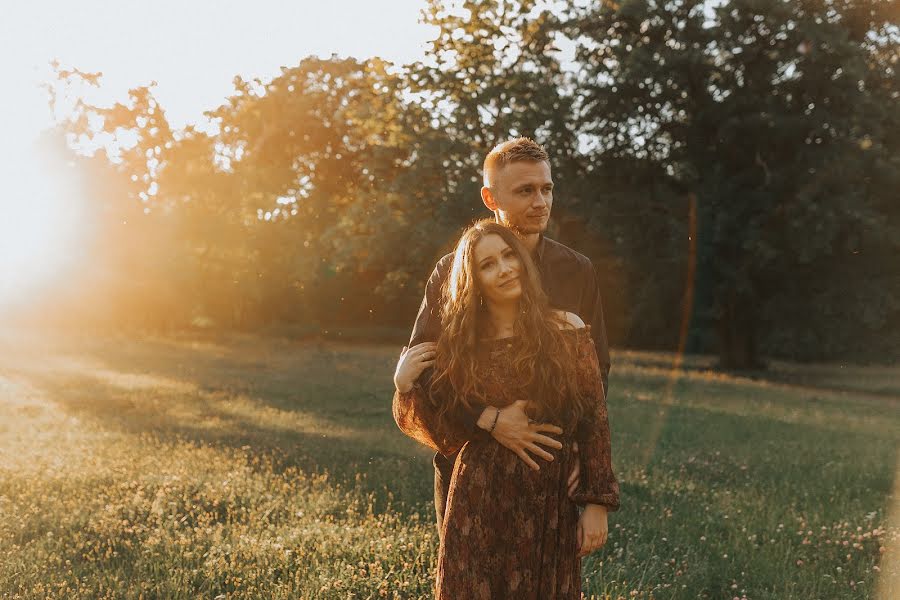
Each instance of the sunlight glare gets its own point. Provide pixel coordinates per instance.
(40, 222)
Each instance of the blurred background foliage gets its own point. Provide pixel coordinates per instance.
(732, 163)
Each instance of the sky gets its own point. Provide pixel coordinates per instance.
(193, 49)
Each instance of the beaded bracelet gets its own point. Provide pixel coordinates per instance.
(497, 416)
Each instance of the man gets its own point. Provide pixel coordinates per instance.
(518, 189)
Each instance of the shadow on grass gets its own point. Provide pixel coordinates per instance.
(306, 408)
(326, 407)
(875, 380)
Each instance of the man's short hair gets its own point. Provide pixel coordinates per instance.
(515, 150)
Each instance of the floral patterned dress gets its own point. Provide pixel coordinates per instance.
(510, 531)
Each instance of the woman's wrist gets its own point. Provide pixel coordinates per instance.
(488, 419)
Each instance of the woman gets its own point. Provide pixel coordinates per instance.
(509, 531)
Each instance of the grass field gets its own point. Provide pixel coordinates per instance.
(252, 468)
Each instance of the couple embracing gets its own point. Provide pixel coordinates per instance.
(505, 377)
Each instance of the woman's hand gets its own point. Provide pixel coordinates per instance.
(592, 529)
(411, 364)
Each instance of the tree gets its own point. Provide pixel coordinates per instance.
(322, 154)
(492, 72)
(753, 106)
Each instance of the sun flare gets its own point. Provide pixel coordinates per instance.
(39, 225)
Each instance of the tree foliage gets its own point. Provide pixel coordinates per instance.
(776, 117)
(727, 165)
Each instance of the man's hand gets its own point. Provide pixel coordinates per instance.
(514, 431)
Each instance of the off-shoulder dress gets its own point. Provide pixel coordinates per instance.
(510, 531)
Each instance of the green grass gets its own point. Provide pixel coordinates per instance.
(265, 468)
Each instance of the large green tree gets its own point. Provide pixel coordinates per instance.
(772, 115)
(493, 72)
(327, 157)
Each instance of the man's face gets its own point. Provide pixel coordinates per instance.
(522, 195)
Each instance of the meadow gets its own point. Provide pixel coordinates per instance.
(247, 467)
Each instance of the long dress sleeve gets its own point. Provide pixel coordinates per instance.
(416, 411)
(598, 483)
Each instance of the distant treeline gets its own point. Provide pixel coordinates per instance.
(732, 170)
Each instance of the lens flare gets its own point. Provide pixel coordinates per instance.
(40, 220)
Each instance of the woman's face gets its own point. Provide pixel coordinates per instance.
(497, 269)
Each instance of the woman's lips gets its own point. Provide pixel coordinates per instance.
(509, 281)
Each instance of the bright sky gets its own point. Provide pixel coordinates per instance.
(193, 49)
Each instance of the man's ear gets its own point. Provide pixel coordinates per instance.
(488, 198)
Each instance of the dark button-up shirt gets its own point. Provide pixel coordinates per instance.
(568, 279)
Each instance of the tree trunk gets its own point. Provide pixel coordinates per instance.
(737, 329)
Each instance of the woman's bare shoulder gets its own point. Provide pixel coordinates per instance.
(568, 320)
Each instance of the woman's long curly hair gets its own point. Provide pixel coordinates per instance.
(541, 358)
